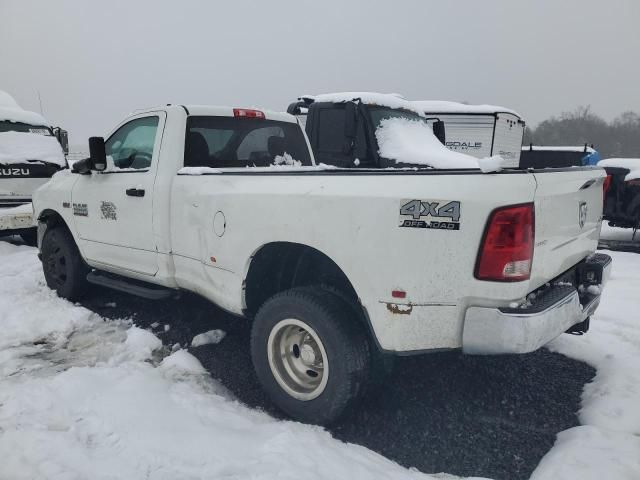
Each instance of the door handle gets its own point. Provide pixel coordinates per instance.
(135, 192)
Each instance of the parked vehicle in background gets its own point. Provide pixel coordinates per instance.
(345, 130)
(622, 192)
(338, 268)
(478, 130)
(30, 153)
(535, 156)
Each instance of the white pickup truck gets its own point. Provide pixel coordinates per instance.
(335, 267)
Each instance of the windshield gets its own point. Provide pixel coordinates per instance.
(379, 114)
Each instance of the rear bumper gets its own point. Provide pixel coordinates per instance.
(489, 331)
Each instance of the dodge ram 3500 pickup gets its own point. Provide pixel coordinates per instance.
(336, 268)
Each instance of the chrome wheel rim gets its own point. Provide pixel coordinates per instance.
(297, 359)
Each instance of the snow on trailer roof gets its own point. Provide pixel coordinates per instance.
(390, 100)
(443, 106)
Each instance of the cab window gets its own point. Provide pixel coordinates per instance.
(131, 146)
(228, 142)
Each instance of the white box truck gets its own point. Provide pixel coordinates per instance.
(478, 130)
(30, 153)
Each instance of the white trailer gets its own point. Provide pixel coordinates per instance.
(478, 130)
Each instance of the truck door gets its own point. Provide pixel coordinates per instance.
(113, 210)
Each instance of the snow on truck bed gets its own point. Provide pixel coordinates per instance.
(413, 142)
(81, 397)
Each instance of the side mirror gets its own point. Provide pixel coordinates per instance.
(97, 155)
(63, 138)
(439, 131)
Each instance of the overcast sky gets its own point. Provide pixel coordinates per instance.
(93, 63)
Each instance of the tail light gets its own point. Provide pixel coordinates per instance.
(506, 252)
(247, 113)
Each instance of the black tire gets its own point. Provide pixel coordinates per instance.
(64, 270)
(381, 364)
(30, 237)
(342, 337)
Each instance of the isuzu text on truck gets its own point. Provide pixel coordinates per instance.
(336, 267)
(30, 153)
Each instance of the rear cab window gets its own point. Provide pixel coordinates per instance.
(230, 142)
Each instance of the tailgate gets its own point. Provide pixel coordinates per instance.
(568, 213)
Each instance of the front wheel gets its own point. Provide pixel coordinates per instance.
(310, 354)
(64, 270)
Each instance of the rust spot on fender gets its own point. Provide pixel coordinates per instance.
(397, 309)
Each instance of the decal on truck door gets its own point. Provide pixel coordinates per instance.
(108, 210)
(445, 215)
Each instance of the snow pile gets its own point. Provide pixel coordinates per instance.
(11, 111)
(286, 159)
(81, 397)
(20, 147)
(412, 141)
(607, 444)
(22, 116)
(441, 106)
(7, 101)
(198, 171)
(389, 100)
(206, 338)
(493, 164)
(631, 164)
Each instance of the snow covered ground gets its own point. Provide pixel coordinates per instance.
(81, 397)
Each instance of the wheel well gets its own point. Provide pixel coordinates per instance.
(52, 219)
(280, 266)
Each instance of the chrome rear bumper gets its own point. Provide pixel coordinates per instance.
(489, 331)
